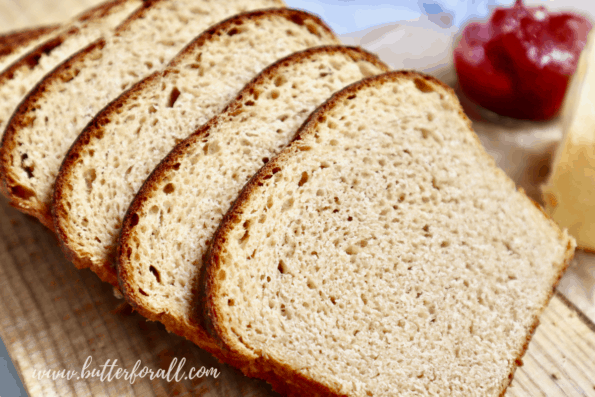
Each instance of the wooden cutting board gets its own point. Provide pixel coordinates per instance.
(54, 317)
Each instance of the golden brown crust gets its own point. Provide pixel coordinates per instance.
(10, 41)
(518, 361)
(31, 59)
(262, 367)
(94, 129)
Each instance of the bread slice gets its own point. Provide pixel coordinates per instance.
(127, 140)
(21, 76)
(53, 114)
(167, 228)
(382, 253)
(16, 43)
(569, 192)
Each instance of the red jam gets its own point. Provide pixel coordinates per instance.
(519, 63)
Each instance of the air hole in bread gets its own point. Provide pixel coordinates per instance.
(287, 205)
(280, 80)
(230, 302)
(313, 29)
(22, 192)
(173, 97)
(303, 179)
(134, 220)
(70, 74)
(233, 32)
(155, 273)
(284, 312)
(142, 292)
(423, 86)
(245, 237)
(425, 133)
(282, 267)
(351, 250)
(90, 176)
(255, 93)
(275, 94)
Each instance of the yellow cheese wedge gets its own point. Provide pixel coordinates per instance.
(569, 193)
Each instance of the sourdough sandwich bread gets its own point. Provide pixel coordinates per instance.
(53, 114)
(16, 43)
(20, 77)
(381, 253)
(122, 145)
(169, 225)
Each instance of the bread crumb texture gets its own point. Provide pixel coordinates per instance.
(384, 254)
(50, 119)
(171, 223)
(132, 137)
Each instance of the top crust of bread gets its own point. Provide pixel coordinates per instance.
(540, 261)
(87, 227)
(60, 92)
(12, 44)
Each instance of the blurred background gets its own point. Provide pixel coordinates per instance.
(424, 29)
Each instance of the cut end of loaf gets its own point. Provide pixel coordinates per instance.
(383, 253)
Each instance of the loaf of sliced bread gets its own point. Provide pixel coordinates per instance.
(53, 114)
(169, 225)
(117, 151)
(382, 253)
(16, 43)
(21, 76)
